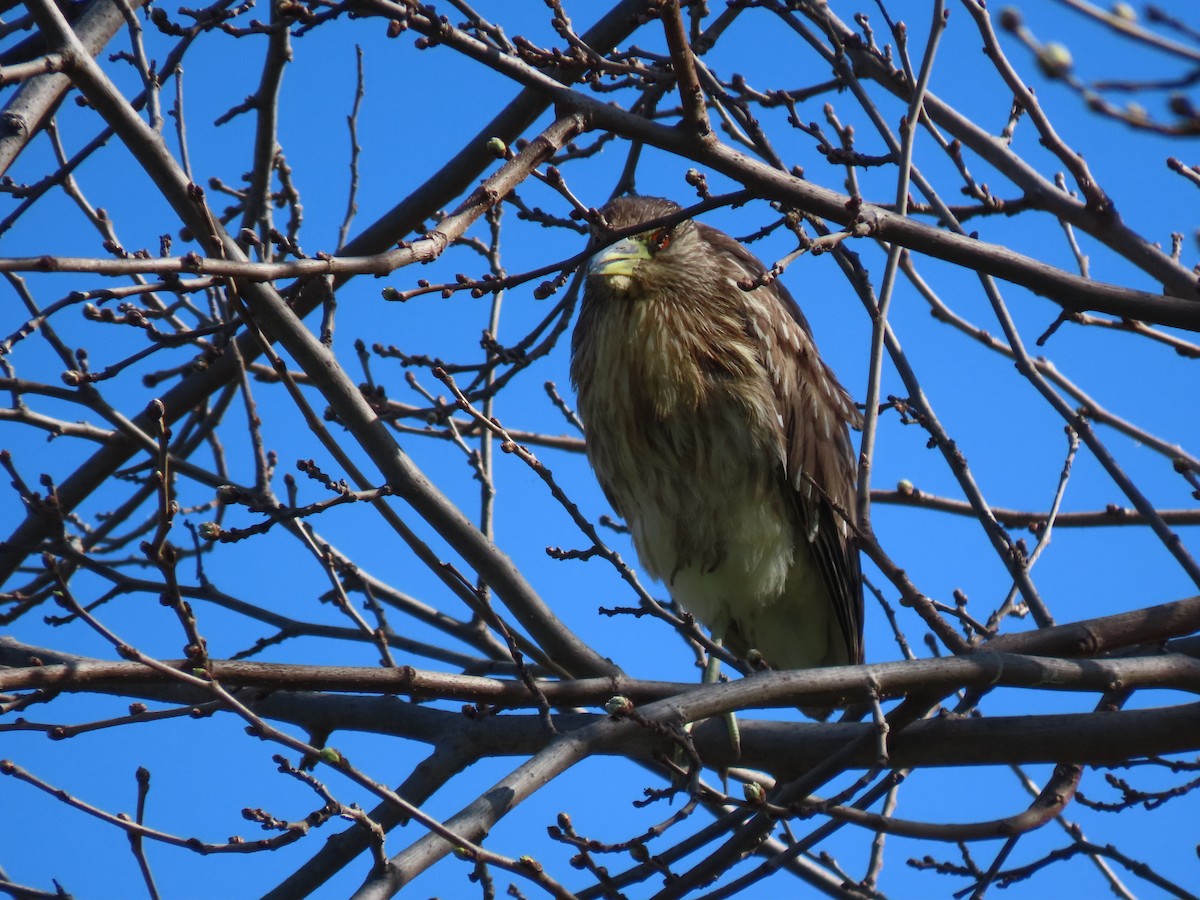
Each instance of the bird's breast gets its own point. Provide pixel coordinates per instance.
(665, 358)
(685, 438)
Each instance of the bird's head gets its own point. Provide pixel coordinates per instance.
(647, 256)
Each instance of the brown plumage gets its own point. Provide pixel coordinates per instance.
(706, 406)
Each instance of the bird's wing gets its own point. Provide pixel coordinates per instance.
(815, 414)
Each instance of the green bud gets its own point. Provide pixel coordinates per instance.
(619, 706)
(1124, 11)
(754, 793)
(1054, 59)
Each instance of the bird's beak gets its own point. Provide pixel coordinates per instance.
(622, 258)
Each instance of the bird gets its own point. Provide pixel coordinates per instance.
(721, 437)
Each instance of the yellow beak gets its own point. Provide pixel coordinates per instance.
(622, 258)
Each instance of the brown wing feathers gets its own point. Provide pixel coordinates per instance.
(814, 412)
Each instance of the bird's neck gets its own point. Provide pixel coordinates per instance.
(669, 347)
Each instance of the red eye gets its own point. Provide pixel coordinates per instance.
(661, 239)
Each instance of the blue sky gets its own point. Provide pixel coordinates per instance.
(419, 108)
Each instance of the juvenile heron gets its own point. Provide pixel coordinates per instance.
(708, 409)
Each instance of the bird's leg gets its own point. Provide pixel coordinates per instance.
(712, 668)
(712, 674)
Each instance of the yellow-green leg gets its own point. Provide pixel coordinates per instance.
(712, 674)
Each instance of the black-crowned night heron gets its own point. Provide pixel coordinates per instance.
(708, 411)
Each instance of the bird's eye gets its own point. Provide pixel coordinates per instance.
(660, 239)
